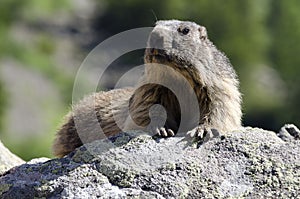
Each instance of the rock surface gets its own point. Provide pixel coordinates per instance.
(250, 163)
(8, 159)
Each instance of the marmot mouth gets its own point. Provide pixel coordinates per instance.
(154, 55)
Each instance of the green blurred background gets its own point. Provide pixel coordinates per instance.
(42, 44)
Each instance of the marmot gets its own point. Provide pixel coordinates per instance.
(178, 55)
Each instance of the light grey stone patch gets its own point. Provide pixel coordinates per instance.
(247, 163)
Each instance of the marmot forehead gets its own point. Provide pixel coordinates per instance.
(174, 23)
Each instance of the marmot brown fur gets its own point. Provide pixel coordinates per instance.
(184, 73)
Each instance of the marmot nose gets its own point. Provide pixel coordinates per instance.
(156, 40)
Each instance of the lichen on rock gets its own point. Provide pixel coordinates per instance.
(250, 163)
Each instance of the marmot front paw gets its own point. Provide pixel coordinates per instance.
(204, 133)
(162, 131)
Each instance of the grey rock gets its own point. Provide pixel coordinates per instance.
(289, 132)
(249, 163)
(8, 159)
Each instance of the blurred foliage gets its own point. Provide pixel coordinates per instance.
(261, 38)
(2, 104)
(284, 53)
(36, 55)
(6, 18)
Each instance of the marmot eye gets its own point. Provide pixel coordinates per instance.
(184, 31)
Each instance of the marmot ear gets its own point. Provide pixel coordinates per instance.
(202, 32)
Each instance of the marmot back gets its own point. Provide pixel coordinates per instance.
(184, 73)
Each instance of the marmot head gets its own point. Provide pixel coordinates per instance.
(176, 41)
(185, 46)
